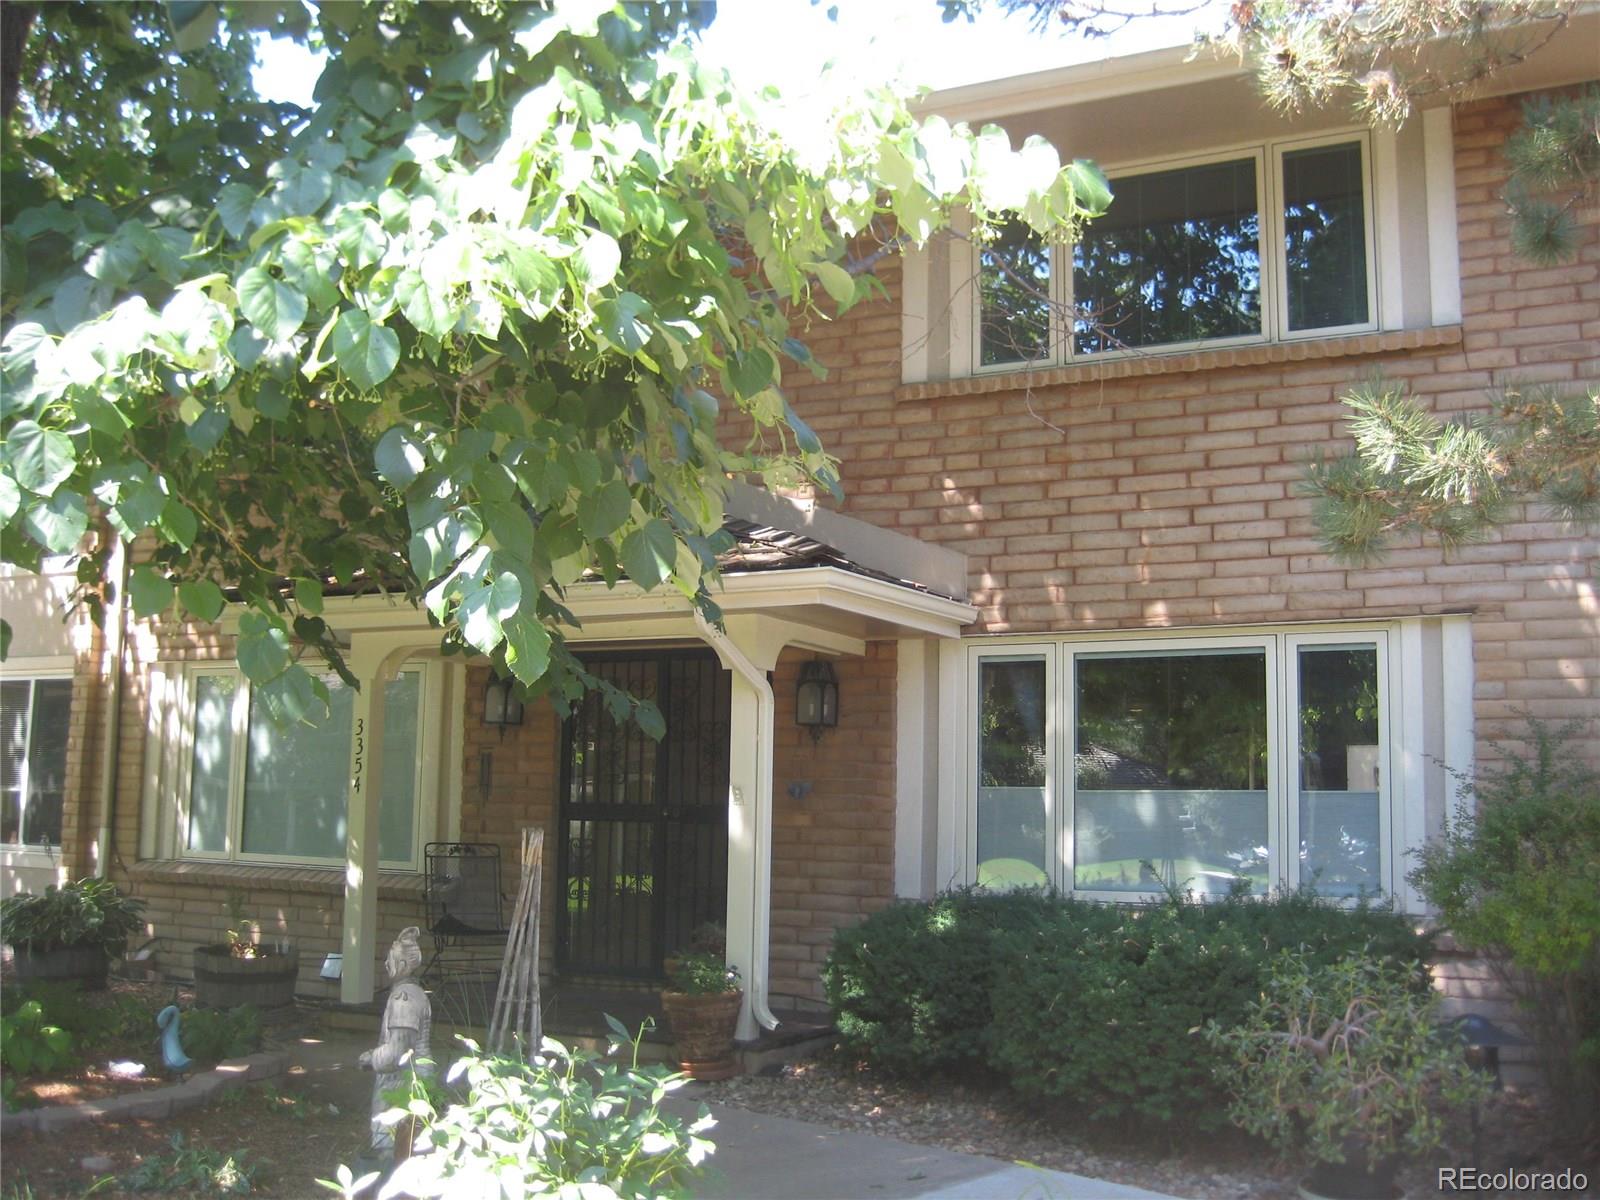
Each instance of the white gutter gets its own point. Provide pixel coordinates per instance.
(1079, 83)
(115, 622)
(761, 899)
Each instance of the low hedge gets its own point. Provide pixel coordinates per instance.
(909, 986)
(1069, 999)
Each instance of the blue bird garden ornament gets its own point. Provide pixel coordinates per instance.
(172, 1055)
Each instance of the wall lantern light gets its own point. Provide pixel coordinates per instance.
(816, 698)
(501, 707)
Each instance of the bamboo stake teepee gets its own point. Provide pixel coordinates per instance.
(517, 1016)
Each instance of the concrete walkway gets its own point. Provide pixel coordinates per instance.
(775, 1158)
(761, 1157)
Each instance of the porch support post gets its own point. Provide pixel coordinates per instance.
(749, 651)
(374, 661)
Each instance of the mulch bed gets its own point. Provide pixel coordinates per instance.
(977, 1117)
(287, 1133)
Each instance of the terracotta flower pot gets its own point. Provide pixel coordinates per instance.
(702, 1026)
(223, 981)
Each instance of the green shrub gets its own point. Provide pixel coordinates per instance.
(568, 1122)
(91, 912)
(1072, 999)
(909, 986)
(1101, 1012)
(94, 1019)
(213, 1034)
(1340, 1052)
(1515, 878)
(193, 1169)
(30, 1044)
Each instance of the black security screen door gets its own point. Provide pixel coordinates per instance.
(644, 825)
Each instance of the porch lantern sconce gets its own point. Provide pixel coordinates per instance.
(501, 707)
(816, 698)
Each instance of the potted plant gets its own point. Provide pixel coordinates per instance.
(701, 1003)
(70, 932)
(1347, 1063)
(243, 969)
(708, 937)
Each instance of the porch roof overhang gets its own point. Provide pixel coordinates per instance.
(828, 609)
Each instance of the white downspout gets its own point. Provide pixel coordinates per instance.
(761, 816)
(115, 619)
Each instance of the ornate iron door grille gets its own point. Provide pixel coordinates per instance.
(643, 848)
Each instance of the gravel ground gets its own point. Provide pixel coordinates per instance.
(976, 1118)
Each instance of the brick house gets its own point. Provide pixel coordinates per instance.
(1081, 630)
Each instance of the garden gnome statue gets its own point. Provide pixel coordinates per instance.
(403, 1036)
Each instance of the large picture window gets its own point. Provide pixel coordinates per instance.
(34, 714)
(263, 792)
(1271, 242)
(1125, 768)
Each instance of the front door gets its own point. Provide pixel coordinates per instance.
(644, 824)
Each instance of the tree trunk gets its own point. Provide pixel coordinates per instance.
(15, 21)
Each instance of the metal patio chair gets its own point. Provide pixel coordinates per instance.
(465, 909)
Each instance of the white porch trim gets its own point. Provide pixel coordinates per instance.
(825, 610)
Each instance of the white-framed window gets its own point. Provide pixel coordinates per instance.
(250, 790)
(1270, 242)
(1112, 766)
(34, 716)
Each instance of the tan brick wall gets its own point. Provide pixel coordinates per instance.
(524, 779)
(832, 844)
(1172, 499)
(1167, 494)
(304, 905)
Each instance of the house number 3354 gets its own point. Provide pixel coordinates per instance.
(361, 753)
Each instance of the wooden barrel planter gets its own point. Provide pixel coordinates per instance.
(223, 981)
(85, 965)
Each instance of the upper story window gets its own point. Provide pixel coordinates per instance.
(258, 791)
(34, 715)
(1273, 242)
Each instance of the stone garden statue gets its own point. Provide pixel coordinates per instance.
(403, 1035)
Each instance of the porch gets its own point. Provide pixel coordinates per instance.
(644, 841)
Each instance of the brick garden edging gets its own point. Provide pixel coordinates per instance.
(158, 1103)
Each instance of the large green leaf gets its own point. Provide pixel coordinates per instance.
(178, 524)
(40, 459)
(425, 306)
(597, 260)
(261, 648)
(649, 552)
(838, 282)
(366, 352)
(399, 458)
(484, 607)
(271, 305)
(202, 598)
(149, 590)
(602, 512)
(58, 524)
(1089, 186)
(10, 497)
(527, 646)
(234, 203)
(622, 319)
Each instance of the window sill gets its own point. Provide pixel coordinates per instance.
(1136, 366)
(329, 880)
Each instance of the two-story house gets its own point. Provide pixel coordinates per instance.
(1077, 626)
